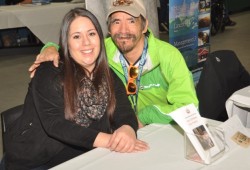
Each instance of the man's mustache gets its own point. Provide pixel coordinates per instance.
(124, 36)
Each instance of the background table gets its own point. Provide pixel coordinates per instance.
(166, 152)
(43, 20)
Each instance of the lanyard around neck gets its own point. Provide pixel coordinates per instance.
(142, 61)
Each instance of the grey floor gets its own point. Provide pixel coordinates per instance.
(14, 73)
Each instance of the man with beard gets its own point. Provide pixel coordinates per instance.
(154, 72)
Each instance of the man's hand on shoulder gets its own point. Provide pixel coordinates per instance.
(48, 54)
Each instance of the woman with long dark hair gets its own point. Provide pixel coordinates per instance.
(71, 109)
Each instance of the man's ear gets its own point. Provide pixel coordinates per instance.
(146, 27)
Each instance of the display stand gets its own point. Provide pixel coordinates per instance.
(192, 154)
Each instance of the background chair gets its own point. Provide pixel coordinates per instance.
(8, 117)
(222, 75)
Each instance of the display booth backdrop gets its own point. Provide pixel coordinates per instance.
(189, 31)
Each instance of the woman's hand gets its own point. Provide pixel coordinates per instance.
(48, 54)
(102, 140)
(124, 140)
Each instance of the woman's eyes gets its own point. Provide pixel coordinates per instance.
(76, 37)
(92, 34)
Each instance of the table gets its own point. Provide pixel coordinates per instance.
(43, 20)
(166, 152)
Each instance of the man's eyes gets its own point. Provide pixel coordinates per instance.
(115, 22)
(130, 21)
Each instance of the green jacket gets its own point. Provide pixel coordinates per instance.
(166, 83)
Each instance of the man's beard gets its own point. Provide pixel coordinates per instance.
(122, 45)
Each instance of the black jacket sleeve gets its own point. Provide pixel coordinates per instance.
(49, 102)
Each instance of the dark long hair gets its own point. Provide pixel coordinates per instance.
(73, 72)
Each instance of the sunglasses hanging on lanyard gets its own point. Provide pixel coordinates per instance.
(133, 74)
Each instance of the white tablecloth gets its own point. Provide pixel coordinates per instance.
(166, 152)
(43, 20)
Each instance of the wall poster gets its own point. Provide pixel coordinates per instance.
(204, 29)
(183, 28)
(189, 31)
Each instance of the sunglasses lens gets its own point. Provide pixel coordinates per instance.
(131, 87)
(133, 72)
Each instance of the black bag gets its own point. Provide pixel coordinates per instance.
(222, 75)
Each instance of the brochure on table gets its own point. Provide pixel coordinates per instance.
(193, 124)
